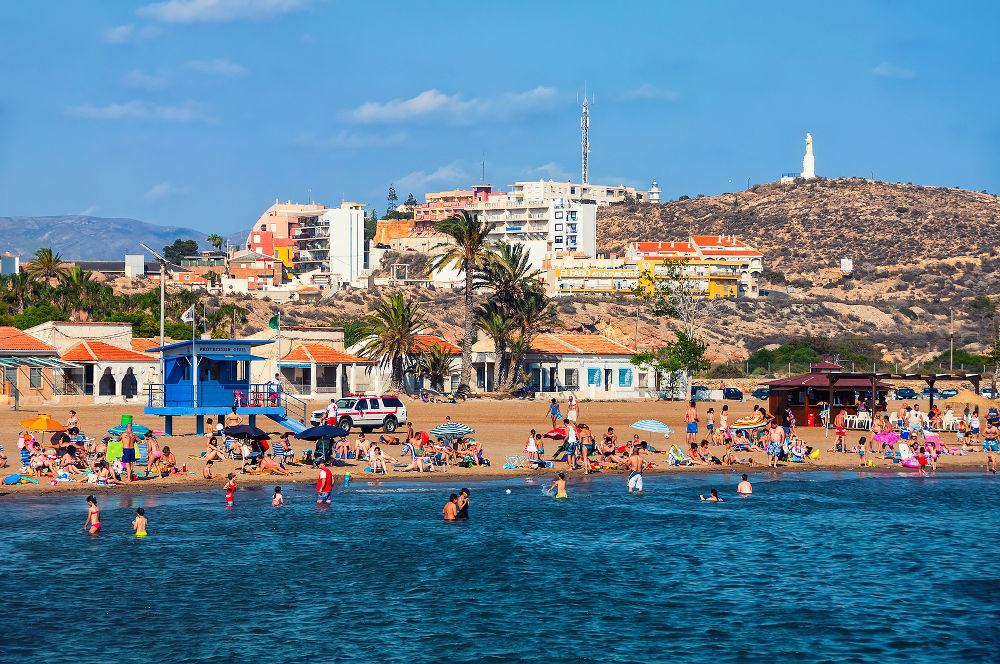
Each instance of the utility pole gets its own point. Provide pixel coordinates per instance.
(163, 279)
(951, 341)
(585, 130)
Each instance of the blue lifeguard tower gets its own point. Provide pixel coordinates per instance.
(209, 377)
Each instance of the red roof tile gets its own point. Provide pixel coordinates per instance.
(716, 241)
(578, 344)
(428, 341)
(142, 345)
(12, 338)
(322, 355)
(98, 351)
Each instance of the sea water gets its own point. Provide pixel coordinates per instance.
(818, 567)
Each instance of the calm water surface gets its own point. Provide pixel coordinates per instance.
(817, 567)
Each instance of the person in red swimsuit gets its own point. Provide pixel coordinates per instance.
(324, 485)
(230, 490)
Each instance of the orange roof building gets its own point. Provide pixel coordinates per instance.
(110, 374)
(424, 342)
(14, 342)
(321, 370)
(98, 351)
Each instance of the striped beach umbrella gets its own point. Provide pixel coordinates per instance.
(137, 429)
(653, 426)
(452, 430)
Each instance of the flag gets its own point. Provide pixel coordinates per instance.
(188, 316)
(275, 321)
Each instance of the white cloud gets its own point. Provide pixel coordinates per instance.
(216, 11)
(138, 110)
(551, 170)
(889, 70)
(219, 67)
(435, 105)
(417, 180)
(650, 91)
(139, 79)
(163, 190)
(120, 34)
(350, 140)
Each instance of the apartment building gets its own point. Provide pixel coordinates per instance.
(600, 194)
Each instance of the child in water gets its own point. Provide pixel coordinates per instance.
(277, 499)
(991, 463)
(93, 516)
(139, 525)
(560, 486)
(922, 463)
(713, 496)
(230, 489)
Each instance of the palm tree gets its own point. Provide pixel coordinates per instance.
(532, 312)
(390, 334)
(45, 264)
(435, 363)
(74, 287)
(233, 311)
(496, 323)
(216, 241)
(508, 273)
(469, 251)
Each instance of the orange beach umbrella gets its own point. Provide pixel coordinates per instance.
(42, 423)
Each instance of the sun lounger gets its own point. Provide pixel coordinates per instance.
(514, 461)
(280, 454)
(675, 457)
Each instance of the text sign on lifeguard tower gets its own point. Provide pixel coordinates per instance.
(210, 376)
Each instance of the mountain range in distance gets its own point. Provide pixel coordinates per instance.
(79, 237)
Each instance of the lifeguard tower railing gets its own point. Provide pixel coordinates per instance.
(244, 397)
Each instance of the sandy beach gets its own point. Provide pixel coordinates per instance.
(501, 426)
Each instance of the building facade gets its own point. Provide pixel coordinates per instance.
(600, 194)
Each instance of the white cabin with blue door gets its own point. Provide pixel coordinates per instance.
(210, 377)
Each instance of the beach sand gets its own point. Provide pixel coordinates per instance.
(502, 427)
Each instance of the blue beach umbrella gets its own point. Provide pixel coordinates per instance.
(323, 431)
(653, 426)
(452, 430)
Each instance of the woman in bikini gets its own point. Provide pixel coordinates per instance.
(93, 516)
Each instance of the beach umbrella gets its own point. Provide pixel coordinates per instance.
(452, 430)
(555, 434)
(653, 426)
(245, 431)
(430, 390)
(41, 423)
(137, 429)
(748, 423)
(323, 431)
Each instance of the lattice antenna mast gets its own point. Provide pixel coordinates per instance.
(585, 139)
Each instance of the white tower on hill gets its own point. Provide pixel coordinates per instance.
(654, 194)
(809, 161)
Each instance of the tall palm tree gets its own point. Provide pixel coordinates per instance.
(233, 312)
(45, 264)
(390, 334)
(469, 251)
(496, 323)
(216, 241)
(532, 312)
(74, 287)
(435, 363)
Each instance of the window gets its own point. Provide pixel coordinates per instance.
(557, 239)
(392, 402)
(571, 216)
(10, 376)
(256, 239)
(559, 214)
(572, 190)
(571, 378)
(624, 378)
(35, 377)
(274, 227)
(594, 377)
(361, 404)
(643, 380)
(557, 227)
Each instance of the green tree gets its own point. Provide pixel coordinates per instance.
(371, 226)
(390, 335)
(685, 354)
(45, 264)
(179, 249)
(468, 252)
(493, 319)
(20, 289)
(411, 202)
(216, 241)
(435, 363)
(75, 284)
(233, 313)
(392, 200)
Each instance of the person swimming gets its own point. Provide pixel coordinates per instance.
(93, 516)
(713, 496)
(139, 525)
(450, 509)
(560, 486)
(277, 499)
(744, 488)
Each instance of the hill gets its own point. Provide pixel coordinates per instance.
(88, 238)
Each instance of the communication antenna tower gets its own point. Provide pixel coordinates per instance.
(585, 130)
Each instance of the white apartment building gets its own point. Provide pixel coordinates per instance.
(332, 242)
(542, 225)
(600, 194)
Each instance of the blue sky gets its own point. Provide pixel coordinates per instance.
(201, 112)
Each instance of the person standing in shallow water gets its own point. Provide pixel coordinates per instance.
(450, 509)
(744, 488)
(463, 505)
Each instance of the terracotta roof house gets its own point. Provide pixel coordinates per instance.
(316, 369)
(30, 367)
(109, 374)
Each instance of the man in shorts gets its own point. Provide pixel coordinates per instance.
(636, 464)
(991, 438)
(573, 442)
(331, 413)
(128, 450)
(691, 422)
(324, 484)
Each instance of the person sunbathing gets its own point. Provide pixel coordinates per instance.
(419, 464)
(168, 460)
(361, 446)
(212, 450)
(376, 461)
(388, 440)
(68, 463)
(206, 472)
(40, 461)
(447, 453)
(268, 465)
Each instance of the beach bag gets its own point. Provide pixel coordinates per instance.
(12, 479)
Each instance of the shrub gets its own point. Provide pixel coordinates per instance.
(909, 313)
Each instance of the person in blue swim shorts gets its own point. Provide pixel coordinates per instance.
(691, 420)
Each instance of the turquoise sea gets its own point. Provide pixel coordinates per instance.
(815, 567)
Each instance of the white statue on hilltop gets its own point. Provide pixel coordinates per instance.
(809, 162)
